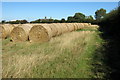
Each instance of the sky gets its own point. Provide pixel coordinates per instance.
(57, 10)
(59, 0)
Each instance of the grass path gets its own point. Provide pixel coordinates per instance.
(67, 56)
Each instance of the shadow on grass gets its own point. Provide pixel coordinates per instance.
(110, 51)
(112, 56)
(106, 61)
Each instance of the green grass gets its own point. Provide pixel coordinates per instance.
(67, 56)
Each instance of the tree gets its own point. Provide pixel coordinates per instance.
(70, 19)
(89, 19)
(110, 23)
(56, 21)
(3, 21)
(23, 21)
(45, 17)
(99, 14)
(51, 20)
(79, 17)
(119, 4)
(18, 22)
(62, 20)
(110, 27)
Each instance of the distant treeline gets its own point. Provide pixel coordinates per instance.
(78, 17)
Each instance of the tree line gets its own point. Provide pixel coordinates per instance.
(78, 17)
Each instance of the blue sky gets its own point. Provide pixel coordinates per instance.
(59, 0)
(57, 10)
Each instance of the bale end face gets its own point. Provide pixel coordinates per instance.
(18, 34)
(38, 34)
(6, 30)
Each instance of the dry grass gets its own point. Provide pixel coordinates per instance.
(19, 65)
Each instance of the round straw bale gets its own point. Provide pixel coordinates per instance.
(1, 31)
(16, 25)
(6, 30)
(70, 27)
(58, 27)
(86, 24)
(64, 27)
(37, 23)
(61, 27)
(53, 29)
(75, 26)
(89, 23)
(20, 33)
(40, 33)
(94, 26)
(67, 27)
(80, 25)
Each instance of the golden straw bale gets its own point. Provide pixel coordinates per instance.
(70, 27)
(86, 24)
(64, 27)
(53, 29)
(75, 26)
(20, 33)
(58, 27)
(0, 30)
(6, 30)
(40, 33)
(80, 25)
(16, 25)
